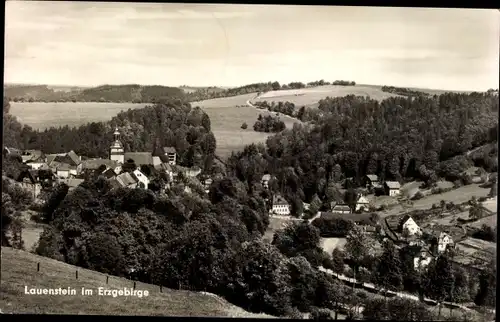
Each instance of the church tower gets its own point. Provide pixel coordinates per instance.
(116, 151)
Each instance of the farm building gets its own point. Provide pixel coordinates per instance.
(72, 183)
(280, 206)
(34, 158)
(409, 225)
(341, 209)
(392, 188)
(371, 181)
(362, 203)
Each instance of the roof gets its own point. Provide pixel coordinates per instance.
(125, 179)
(10, 150)
(139, 158)
(94, 164)
(393, 184)
(30, 174)
(63, 167)
(73, 183)
(341, 208)
(266, 177)
(157, 161)
(279, 200)
(74, 157)
(169, 149)
(372, 177)
(31, 155)
(109, 173)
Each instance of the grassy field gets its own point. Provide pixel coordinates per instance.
(19, 269)
(310, 96)
(44, 115)
(226, 120)
(329, 244)
(489, 221)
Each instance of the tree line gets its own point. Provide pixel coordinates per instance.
(131, 93)
(403, 91)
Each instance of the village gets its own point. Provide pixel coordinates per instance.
(428, 232)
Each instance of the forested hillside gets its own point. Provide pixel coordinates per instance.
(106, 93)
(397, 138)
(171, 123)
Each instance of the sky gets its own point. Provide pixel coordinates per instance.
(91, 43)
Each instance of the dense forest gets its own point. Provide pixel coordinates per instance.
(106, 93)
(399, 138)
(268, 124)
(171, 123)
(403, 91)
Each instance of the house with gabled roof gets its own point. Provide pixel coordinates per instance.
(362, 203)
(371, 181)
(392, 188)
(410, 226)
(280, 206)
(29, 180)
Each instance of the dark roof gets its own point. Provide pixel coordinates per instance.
(94, 164)
(30, 174)
(63, 167)
(109, 173)
(169, 149)
(279, 200)
(139, 158)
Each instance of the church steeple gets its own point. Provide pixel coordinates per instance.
(116, 151)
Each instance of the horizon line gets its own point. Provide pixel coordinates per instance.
(237, 86)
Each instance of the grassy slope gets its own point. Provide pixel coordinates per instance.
(19, 270)
(226, 120)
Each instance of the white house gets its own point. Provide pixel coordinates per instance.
(143, 180)
(422, 261)
(280, 206)
(392, 188)
(63, 171)
(362, 203)
(443, 241)
(408, 224)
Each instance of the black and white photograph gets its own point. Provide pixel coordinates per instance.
(250, 161)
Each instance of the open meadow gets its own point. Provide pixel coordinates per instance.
(19, 269)
(310, 96)
(226, 119)
(45, 115)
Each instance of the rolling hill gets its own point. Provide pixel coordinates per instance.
(19, 269)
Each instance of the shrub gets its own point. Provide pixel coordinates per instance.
(244, 126)
(417, 196)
